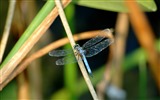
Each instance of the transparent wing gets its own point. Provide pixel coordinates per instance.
(66, 60)
(96, 39)
(98, 47)
(92, 41)
(59, 53)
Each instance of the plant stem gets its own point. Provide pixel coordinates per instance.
(69, 34)
(25, 44)
(7, 27)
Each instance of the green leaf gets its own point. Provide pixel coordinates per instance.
(147, 5)
(28, 32)
(62, 94)
(116, 5)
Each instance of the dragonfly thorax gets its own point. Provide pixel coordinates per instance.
(79, 49)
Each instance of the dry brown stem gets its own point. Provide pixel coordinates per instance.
(145, 37)
(119, 48)
(115, 57)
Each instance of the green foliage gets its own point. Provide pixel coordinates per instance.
(142, 78)
(116, 5)
(10, 92)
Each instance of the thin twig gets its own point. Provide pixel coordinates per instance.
(80, 62)
(119, 48)
(7, 27)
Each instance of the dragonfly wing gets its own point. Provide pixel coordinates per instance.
(92, 41)
(98, 47)
(96, 39)
(59, 53)
(66, 60)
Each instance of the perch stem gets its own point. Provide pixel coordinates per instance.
(80, 63)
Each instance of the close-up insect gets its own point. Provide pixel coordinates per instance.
(88, 49)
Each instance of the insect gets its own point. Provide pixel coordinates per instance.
(88, 49)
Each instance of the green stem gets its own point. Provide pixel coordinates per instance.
(142, 78)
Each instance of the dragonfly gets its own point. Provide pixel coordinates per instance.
(90, 48)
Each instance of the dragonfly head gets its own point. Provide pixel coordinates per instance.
(76, 46)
